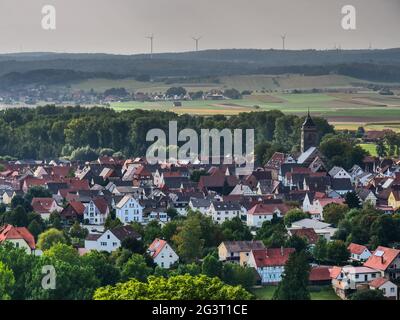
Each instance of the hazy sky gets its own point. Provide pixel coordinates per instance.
(120, 26)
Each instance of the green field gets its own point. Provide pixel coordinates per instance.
(325, 293)
(369, 147)
(345, 111)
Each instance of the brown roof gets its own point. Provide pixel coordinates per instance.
(243, 246)
(308, 233)
(125, 232)
(271, 256)
(320, 274)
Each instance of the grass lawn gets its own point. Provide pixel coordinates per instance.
(326, 293)
(369, 147)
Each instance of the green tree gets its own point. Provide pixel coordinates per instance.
(381, 149)
(235, 230)
(294, 283)
(152, 231)
(368, 295)
(101, 263)
(294, 215)
(234, 274)
(49, 238)
(320, 251)
(76, 231)
(182, 287)
(337, 252)
(136, 267)
(333, 213)
(352, 200)
(35, 228)
(7, 282)
(211, 266)
(189, 240)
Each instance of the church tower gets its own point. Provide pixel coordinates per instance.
(309, 134)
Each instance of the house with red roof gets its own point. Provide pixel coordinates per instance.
(269, 263)
(358, 252)
(19, 236)
(388, 288)
(162, 253)
(348, 279)
(319, 204)
(45, 206)
(74, 211)
(262, 212)
(386, 260)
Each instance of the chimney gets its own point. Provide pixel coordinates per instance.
(281, 250)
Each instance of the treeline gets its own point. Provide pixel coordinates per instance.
(48, 132)
(365, 71)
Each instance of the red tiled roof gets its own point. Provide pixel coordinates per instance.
(42, 205)
(378, 282)
(356, 248)
(8, 232)
(77, 206)
(101, 204)
(308, 233)
(271, 256)
(384, 261)
(268, 209)
(334, 272)
(156, 246)
(320, 274)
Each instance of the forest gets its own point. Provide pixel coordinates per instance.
(84, 133)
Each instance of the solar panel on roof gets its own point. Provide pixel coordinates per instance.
(379, 253)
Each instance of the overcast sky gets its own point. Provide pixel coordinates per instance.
(120, 26)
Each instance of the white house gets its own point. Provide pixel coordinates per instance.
(221, 211)
(201, 205)
(128, 209)
(388, 288)
(269, 263)
(348, 278)
(261, 212)
(339, 173)
(358, 252)
(241, 189)
(20, 237)
(162, 253)
(111, 239)
(96, 211)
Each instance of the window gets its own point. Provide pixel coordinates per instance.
(108, 236)
(114, 244)
(357, 276)
(392, 290)
(373, 275)
(103, 244)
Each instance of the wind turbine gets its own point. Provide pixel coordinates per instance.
(151, 38)
(196, 40)
(283, 41)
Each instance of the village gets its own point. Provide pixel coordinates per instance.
(293, 199)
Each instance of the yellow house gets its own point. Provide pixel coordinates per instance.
(394, 199)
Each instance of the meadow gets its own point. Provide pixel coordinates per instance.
(317, 293)
(344, 110)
